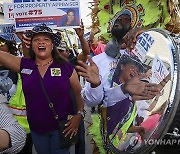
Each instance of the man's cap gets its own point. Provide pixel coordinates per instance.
(124, 11)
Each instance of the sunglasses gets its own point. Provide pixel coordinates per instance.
(2, 43)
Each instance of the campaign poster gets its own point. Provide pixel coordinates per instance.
(9, 13)
(9, 29)
(144, 43)
(159, 70)
(60, 14)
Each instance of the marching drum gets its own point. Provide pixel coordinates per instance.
(159, 52)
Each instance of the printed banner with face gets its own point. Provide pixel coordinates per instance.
(59, 14)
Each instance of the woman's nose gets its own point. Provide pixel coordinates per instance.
(41, 42)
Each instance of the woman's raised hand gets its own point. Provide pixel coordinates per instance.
(80, 31)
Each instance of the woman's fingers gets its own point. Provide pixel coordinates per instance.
(73, 133)
(70, 130)
(72, 127)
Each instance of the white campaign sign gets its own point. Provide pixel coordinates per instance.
(143, 45)
(9, 12)
(26, 15)
(159, 71)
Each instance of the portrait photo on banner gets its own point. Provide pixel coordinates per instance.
(71, 18)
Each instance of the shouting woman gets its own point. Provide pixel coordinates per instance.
(45, 67)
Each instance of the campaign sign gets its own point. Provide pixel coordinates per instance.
(159, 70)
(143, 45)
(8, 12)
(60, 14)
(9, 29)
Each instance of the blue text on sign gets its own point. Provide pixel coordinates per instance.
(146, 41)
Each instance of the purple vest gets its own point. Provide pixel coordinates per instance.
(117, 113)
(40, 116)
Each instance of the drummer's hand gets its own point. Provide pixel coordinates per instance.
(89, 72)
(130, 38)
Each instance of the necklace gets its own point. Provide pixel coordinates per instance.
(41, 65)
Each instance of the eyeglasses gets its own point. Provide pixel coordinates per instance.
(2, 43)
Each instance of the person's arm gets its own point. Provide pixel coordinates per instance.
(12, 135)
(92, 96)
(5, 140)
(153, 104)
(85, 50)
(114, 95)
(73, 123)
(10, 61)
(92, 92)
(84, 44)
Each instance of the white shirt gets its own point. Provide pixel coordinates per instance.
(10, 124)
(104, 92)
(142, 107)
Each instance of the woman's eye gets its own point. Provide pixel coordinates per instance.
(46, 39)
(35, 39)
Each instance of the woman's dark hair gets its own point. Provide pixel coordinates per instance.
(11, 46)
(56, 57)
(71, 10)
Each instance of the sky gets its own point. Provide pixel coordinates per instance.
(85, 11)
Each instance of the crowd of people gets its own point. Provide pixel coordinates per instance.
(112, 79)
